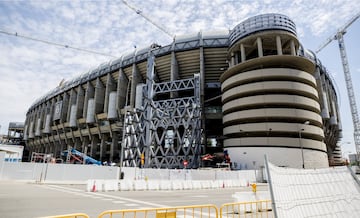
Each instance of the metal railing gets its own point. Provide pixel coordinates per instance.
(247, 209)
(202, 211)
(73, 215)
(261, 209)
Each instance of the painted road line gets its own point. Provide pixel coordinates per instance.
(101, 195)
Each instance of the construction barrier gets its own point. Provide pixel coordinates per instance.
(73, 215)
(260, 208)
(202, 211)
(98, 185)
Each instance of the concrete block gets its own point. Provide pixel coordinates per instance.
(99, 183)
(228, 184)
(153, 184)
(216, 184)
(111, 185)
(187, 184)
(165, 185)
(89, 185)
(177, 185)
(196, 184)
(206, 184)
(242, 183)
(140, 185)
(126, 185)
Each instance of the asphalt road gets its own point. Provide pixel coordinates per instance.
(19, 199)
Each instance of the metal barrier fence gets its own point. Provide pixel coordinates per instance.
(202, 211)
(247, 209)
(73, 215)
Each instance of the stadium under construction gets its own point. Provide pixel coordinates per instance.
(251, 91)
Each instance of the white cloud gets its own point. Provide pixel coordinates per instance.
(30, 69)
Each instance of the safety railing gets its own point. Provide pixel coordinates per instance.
(194, 211)
(258, 209)
(72, 215)
(247, 209)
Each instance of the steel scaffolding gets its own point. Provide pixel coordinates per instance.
(164, 132)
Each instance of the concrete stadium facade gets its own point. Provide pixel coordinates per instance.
(260, 92)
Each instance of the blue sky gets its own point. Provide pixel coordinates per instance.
(30, 69)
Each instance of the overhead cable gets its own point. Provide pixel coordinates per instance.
(55, 44)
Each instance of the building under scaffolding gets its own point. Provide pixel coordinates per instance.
(251, 91)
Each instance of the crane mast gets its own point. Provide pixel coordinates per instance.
(350, 91)
(339, 36)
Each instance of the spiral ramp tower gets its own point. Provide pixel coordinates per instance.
(270, 97)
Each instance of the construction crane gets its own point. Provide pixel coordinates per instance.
(139, 12)
(339, 36)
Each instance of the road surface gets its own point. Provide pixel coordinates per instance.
(20, 199)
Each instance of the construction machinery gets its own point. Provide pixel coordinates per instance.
(339, 36)
(74, 155)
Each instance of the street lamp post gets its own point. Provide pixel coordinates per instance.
(301, 145)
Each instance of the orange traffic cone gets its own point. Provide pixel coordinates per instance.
(94, 187)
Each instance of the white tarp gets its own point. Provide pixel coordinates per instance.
(327, 192)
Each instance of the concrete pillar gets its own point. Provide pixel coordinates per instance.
(72, 100)
(136, 79)
(58, 106)
(65, 106)
(55, 150)
(89, 93)
(38, 126)
(43, 115)
(259, 47)
(94, 146)
(174, 72)
(232, 60)
(99, 97)
(242, 50)
(52, 111)
(86, 145)
(122, 90)
(38, 121)
(71, 116)
(47, 124)
(26, 134)
(334, 117)
(102, 149)
(31, 127)
(202, 74)
(80, 102)
(77, 144)
(113, 147)
(236, 61)
(202, 88)
(110, 86)
(278, 45)
(292, 48)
